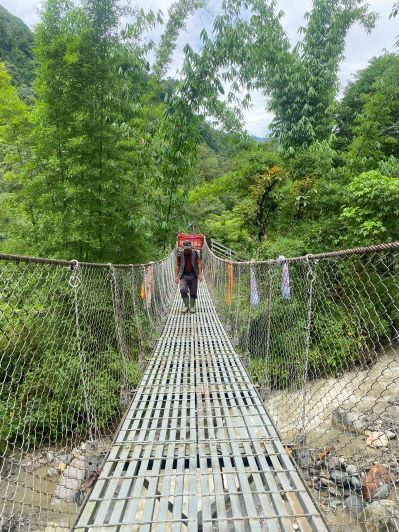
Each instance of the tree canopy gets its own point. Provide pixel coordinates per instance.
(112, 157)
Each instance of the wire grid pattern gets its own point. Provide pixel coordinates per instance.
(322, 345)
(74, 340)
(196, 450)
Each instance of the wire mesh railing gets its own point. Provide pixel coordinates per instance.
(74, 339)
(319, 335)
(222, 251)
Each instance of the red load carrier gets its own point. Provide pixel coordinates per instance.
(197, 241)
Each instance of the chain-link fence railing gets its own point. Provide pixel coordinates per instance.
(319, 335)
(74, 339)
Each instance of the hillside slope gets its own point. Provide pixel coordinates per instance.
(16, 41)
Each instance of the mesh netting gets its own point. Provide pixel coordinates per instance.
(319, 335)
(74, 339)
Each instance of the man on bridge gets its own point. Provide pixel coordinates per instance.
(188, 273)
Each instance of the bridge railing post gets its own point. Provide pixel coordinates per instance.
(266, 387)
(310, 276)
(75, 282)
(118, 319)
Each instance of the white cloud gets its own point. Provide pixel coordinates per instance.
(359, 50)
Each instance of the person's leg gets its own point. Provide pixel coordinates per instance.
(183, 286)
(193, 285)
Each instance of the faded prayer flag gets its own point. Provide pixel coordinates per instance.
(254, 289)
(285, 278)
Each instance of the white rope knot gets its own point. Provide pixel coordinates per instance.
(74, 280)
(310, 273)
(74, 264)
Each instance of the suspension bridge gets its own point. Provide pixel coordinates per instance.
(197, 449)
(199, 446)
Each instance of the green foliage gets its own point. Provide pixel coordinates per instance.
(14, 148)
(114, 143)
(214, 154)
(254, 52)
(88, 138)
(178, 13)
(50, 381)
(350, 109)
(377, 128)
(389, 167)
(112, 159)
(40, 398)
(16, 42)
(236, 206)
(14, 126)
(372, 211)
(350, 316)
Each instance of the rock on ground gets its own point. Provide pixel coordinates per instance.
(351, 420)
(377, 439)
(376, 477)
(380, 516)
(354, 504)
(70, 481)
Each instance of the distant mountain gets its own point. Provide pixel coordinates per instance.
(16, 42)
(259, 139)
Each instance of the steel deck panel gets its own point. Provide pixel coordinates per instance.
(197, 449)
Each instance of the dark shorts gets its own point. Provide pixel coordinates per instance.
(188, 282)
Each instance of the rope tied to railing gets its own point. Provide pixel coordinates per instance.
(311, 257)
(326, 360)
(75, 338)
(118, 317)
(75, 282)
(311, 278)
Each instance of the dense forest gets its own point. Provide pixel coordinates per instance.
(104, 158)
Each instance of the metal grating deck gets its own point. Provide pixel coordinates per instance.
(197, 450)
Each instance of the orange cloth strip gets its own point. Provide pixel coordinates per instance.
(230, 282)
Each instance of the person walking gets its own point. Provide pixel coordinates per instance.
(188, 273)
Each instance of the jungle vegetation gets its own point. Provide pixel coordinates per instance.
(104, 158)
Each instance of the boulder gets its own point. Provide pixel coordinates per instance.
(52, 472)
(304, 457)
(382, 492)
(352, 469)
(333, 462)
(339, 477)
(377, 439)
(356, 484)
(49, 457)
(354, 504)
(380, 516)
(351, 420)
(375, 478)
(70, 481)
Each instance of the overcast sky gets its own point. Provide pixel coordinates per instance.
(359, 50)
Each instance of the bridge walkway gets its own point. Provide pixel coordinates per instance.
(197, 450)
